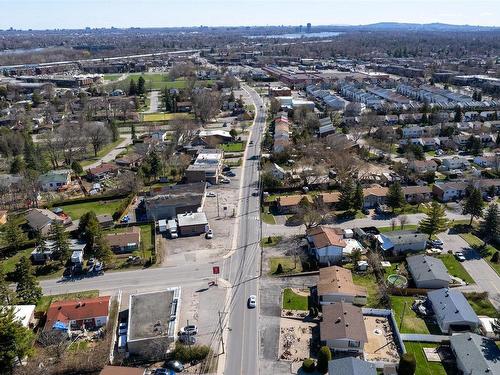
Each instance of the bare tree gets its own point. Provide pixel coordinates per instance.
(403, 220)
(206, 104)
(98, 136)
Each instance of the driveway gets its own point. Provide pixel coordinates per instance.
(110, 156)
(485, 277)
(153, 102)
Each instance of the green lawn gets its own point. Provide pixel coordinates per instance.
(112, 77)
(45, 301)
(293, 301)
(424, 367)
(287, 263)
(486, 253)
(153, 81)
(146, 245)
(233, 147)
(104, 151)
(270, 241)
(398, 227)
(411, 322)
(455, 268)
(481, 304)
(99, 207)
(266, 216)
(161, 116)
(9, 264)
(369, 282)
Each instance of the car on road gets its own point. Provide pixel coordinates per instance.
(251, 142)
(255, 193)
(122, 328)
(164, 371)
(488, 198)
(176, 366)
(460, 256)
(225, 181)
(252, 302)
(210, 194)
(189, 330)
(209, 235)
(230, 174)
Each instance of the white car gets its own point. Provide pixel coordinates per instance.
(209, 235)
(189, 330)
(210, 194)
(252, 302)
(460, 256)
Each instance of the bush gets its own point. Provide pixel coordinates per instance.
(279, 269)
(407, 364)
(122, 207)
(495, 257)
(193, 354)
(308, 365)
(324, 356)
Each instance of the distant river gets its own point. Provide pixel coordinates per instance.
(323, 34)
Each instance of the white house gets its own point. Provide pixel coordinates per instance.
(454, 162)
(326, 244)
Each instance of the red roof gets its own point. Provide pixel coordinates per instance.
(66, 311)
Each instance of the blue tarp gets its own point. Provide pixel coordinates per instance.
(60, 326)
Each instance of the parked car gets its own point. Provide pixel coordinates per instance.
(125, 219)
(230, 174)
(251, 142)
(122, 329)
(209, 235)
(190, 329)
(225, 181)
(460, 256)
(255, 193)
(226, 168)
(488, 198)
(252, 302)
(436, 243)
(210, 194)
(176, 366)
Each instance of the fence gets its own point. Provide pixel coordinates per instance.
(398, 341)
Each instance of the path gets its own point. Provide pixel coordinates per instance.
(153, 102)
(110, 156)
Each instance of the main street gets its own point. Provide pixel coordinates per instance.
(244, 263)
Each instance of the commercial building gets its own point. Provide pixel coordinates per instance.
(207, 167)
(192, 223)
(152, 322)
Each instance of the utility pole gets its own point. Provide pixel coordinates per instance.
(217, 196)
(402, 316)
(221, 333)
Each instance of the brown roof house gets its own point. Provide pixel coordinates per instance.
(336, 285)
(326, 244)
(422, 166)
(417, 194)
(102, 172)
(125, 242)
(290, 204)
(328, 199)
(343, 328)
(374, 195)
(120, 370)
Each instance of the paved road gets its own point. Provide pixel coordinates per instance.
(132, 281)
(485, 277)
(110, 156)
(244, 264)
(153, 102)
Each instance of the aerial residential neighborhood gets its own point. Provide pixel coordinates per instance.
(178, 196)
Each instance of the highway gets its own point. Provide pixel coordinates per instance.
(242, 325)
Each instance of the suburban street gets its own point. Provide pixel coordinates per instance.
(244, 263)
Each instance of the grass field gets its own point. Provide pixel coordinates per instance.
(233, 147)
(293, 301)
(267, 217)
(481, 304)
(287, 263)
(411, 322)
(45, 301)
(270, 241)
(153, 81)
(455, 268)
(9, 264)
(99, 207)
(424, 367)
(146, 239)
(104, 151)
(370, 283)
(398, 227)
(160, 116)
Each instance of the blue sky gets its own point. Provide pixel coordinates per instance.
(43, 14)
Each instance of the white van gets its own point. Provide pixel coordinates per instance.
(122, 343)
(172, 228)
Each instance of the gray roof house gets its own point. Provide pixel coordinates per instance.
(475, 354)
(428, 272)
(452, 311)
(399, 242)
(40, 219)
(351, 366)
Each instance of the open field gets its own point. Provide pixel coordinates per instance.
(153, 81)
(233, 147)
(160, 116)
(77, 210)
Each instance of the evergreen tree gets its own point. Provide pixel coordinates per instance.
(324, 355)
(7, 295)
(407, 364)
(141, 86)
(435, 220)
(346, 195)
(132, 132)
(115, 132)
(490, 227)
(16, 340)
(395, 196)
(13, 235)
(77, 167)
(61, 242)
(458, 114)
(132, 90)
(155, 163)
(167, 100)
(358, 199)
(89, 229)
(17, 165)
(28, 289)
(474, 205)
(102, 250)
(476, 147)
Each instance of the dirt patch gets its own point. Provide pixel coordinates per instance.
(296, 340)
(380, 345)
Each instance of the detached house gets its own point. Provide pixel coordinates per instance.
(449, 191)
(428, 272)
(417, 194)
(102, 172)
(475, 354)
(422, 166)
(454, 162)
(452, 310)
(290, 203)
(327, 244)
(125, 242)
(400, 242)
(343, 328)
(90, 313)
(40, 219)
(374, 196)
(55, 180)
(336, 285)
